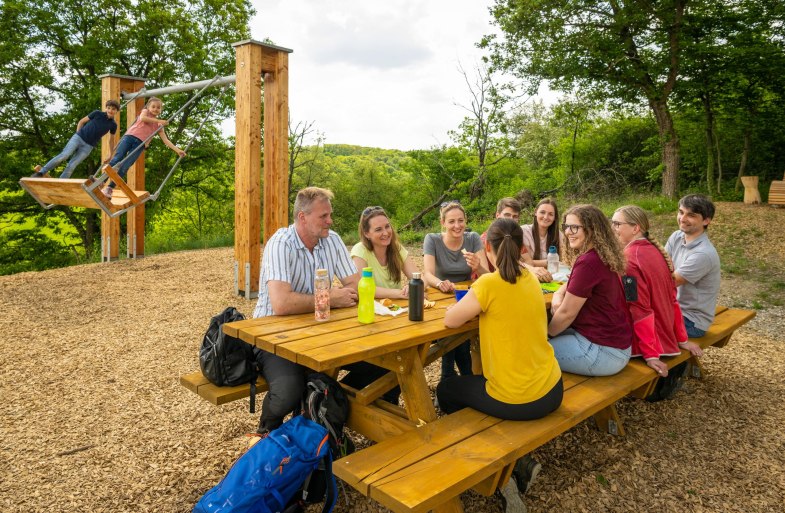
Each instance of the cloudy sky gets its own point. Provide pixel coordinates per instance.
(380, 73)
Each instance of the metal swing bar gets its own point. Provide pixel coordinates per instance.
(177, 88)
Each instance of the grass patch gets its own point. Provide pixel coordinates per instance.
(155, 245)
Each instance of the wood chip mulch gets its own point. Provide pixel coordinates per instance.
(93, 419)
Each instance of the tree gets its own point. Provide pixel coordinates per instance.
(53, 51)
(483, 131)
(621, 50)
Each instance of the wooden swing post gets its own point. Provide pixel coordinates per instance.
(112, 87)
(257, 63)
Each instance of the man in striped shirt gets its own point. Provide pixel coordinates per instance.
(291, 257)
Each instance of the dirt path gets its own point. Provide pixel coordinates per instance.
(93, 419)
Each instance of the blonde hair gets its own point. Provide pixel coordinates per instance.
(452, 205)
(599, 235)
(153, 99)
(634, 214)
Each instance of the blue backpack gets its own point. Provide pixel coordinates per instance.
(271, 475)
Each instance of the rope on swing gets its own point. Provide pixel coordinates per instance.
(100, 179)
(217, 100)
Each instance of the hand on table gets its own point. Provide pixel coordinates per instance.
(342, 297)
(446, 286)
(542, 274)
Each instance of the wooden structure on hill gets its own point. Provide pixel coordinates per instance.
(777, 192)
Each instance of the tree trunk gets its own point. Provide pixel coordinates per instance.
(669, 143)
(744, 154)
(709, 122)
(416, 219)
(719, 163)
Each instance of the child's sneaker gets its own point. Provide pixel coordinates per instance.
(107, 192)
(38, 173)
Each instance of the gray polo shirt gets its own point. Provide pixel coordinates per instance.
(287, 259)
(451, 265)
(699, 264)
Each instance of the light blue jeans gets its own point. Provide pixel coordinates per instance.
(76, 147)
(579, 355)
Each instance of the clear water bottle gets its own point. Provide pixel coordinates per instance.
(321, 295)
(366, 291)
(553, 260)
(416, 297)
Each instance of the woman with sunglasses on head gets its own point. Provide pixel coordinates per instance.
(543, 232)
(590, 329)
(449, 257)
(658, 325)
(380, 250)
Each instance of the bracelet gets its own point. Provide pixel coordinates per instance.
(439, 283)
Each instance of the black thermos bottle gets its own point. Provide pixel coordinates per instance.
(416, 297)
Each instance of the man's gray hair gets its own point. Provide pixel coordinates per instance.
(306, 197)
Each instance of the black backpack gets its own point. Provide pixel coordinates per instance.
(225, 360)
(325, 403)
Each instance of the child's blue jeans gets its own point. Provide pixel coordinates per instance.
(128, 145)
(76, 147)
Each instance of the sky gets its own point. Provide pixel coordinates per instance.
(380, 73)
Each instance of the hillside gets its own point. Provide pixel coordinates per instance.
(94, 419)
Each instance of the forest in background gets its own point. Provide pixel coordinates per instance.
(677, 96)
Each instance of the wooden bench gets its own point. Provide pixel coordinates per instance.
(424, 468)
(197, 383)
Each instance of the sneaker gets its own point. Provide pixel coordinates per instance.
(511, 498)
(37, 173)
(525, 472)
(107, 192)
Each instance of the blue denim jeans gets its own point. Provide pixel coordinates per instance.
(76, 147)
(128, 145)
(692, 331)
(579, 355)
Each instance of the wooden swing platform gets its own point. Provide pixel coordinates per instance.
(84, 193)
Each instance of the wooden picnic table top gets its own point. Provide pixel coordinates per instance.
(342, 339)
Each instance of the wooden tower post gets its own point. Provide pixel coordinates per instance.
(255, 61)
(111, 87)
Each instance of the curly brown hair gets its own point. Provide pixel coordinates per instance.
(599, 235)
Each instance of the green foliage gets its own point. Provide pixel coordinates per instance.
(28, 249)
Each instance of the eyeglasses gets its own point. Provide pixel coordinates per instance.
(368, 210)
(571, 228)
(616, 224)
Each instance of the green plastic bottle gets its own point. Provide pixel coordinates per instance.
(366, 291)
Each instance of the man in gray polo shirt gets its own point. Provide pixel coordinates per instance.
(291, 257)
(696, 264)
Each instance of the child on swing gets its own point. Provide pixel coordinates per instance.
(89, 132)
(131, 144)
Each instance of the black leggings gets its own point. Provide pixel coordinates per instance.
(469, 391)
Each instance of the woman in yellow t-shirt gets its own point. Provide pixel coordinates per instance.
(521, 379)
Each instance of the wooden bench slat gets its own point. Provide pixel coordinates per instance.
(197, 383)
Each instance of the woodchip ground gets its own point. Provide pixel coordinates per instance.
(93, 419)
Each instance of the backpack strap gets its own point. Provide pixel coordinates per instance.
(332, 490)
(252, 396)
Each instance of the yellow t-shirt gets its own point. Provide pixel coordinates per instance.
(517, 359)
(380, 274)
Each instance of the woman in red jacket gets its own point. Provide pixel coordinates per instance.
(658, 329)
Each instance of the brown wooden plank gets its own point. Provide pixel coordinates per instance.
(375, 423)
(197, 383)
(120, 183)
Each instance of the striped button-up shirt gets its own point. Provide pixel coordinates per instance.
(287, 259)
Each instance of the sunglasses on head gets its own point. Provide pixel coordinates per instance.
(370, 210)
(451, 202)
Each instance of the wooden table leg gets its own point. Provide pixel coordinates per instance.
(416, 396)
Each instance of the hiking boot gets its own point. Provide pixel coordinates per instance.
(525, 472)
(107, 191)
(511, 498)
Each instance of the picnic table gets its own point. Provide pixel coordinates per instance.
(397, 344)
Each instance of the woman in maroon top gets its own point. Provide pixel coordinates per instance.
(590, 329)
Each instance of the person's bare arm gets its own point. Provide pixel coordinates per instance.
(679, 279)
(285, 301)
(169, 143)
(431, 280)
(566, 313)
